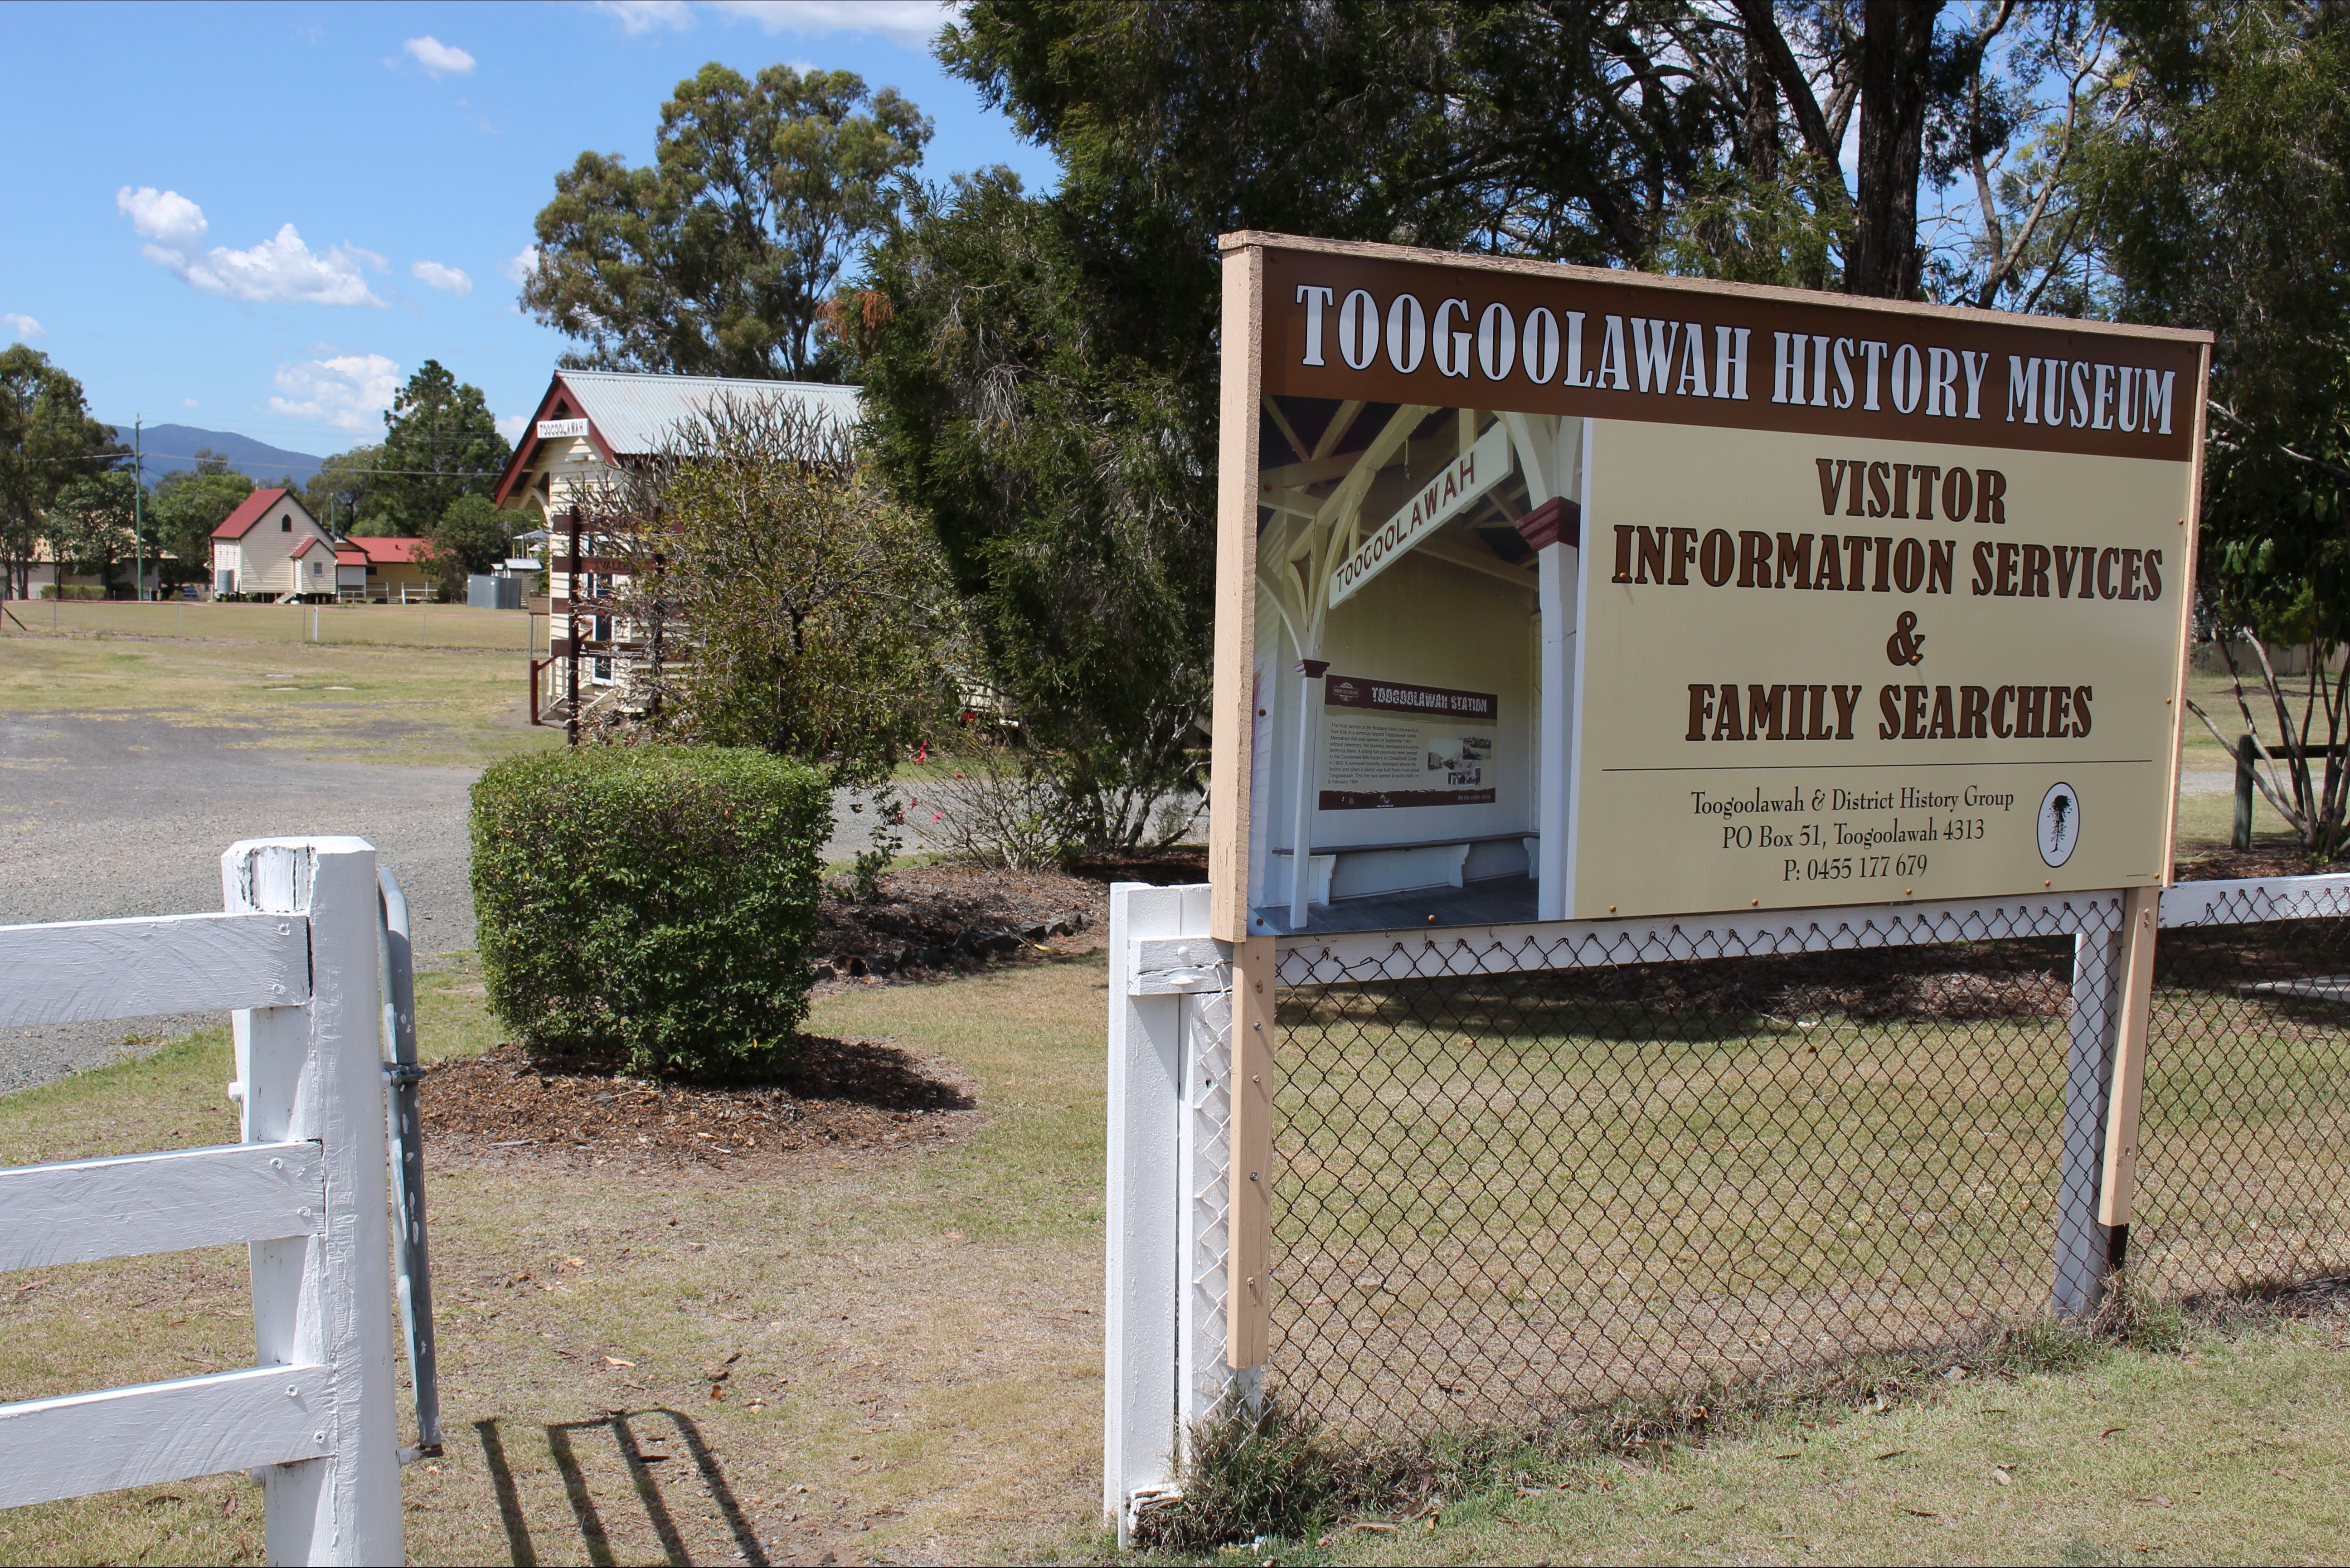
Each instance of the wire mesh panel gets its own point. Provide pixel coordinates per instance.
(1506, 1192)
(2244, 1145)
(1208, 1207)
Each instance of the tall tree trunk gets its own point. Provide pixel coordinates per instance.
(1762, 114)
(1896, 57)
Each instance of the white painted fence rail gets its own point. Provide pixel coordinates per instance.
(296, 958)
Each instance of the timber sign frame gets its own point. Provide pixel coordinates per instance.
(1553, 593)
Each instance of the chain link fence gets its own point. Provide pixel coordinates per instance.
(1507, 1193)
(1521, 1171)
(2245, 1161)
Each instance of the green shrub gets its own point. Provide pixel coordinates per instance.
(649, 909)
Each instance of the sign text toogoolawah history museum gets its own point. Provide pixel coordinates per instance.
(1552, 593)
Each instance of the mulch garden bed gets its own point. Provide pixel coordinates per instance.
(847, 1097)
(949, 918)
(844, 1098)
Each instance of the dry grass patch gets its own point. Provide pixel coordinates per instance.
(356, 704)
(897, 1356)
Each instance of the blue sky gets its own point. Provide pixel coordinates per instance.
(262, 218)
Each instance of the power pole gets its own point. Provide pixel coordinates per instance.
(138, 506)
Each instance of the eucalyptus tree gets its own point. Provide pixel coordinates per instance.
(717, 257)
(1040, 368)
(188, 504)
(2221, 184)
(440, 442)
(47, 441)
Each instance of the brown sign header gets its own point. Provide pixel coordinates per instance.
(1397, 697)
(1340, 323)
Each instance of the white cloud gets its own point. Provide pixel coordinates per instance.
(174, 223)
(447, 279)
(912, 23)
(643, 16)
(439, 59)
(190, 403)
(284, 268)
(512, 427)
(521, 264)
(281, 268)
(350, 391)
(26, 329)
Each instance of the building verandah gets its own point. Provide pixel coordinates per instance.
(1413, 675)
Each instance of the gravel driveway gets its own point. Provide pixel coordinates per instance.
(103, 818)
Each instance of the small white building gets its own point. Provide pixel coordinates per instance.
(254, 549)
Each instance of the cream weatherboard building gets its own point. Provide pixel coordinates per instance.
(590, 424)
(253, 548)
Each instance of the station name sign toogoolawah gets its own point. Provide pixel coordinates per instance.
(1443, 500)
(1770, 598)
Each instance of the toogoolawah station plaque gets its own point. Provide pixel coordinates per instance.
(1549, 593)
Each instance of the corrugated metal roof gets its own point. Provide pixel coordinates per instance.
(633, 412)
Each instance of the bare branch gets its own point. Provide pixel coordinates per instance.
(2258, 782)
(2336, 469)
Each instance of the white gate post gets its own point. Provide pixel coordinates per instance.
(315, 1072)
(1163, 1311)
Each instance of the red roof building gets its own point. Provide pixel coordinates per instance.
(378, 552)
(254, 508)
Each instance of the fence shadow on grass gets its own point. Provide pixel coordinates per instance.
(594, 1536)
(510, 1515)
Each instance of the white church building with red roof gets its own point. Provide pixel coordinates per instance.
(271, 547)
(254, 549)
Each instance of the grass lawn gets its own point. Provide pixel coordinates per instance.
(919, 1370)
(2229, 1451)
(918, 1339)
(359, 704)
(915, 1339)
(1499, 1194)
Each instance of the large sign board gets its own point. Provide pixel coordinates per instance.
(1555, 593)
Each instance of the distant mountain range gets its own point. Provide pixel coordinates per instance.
(169, 447)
